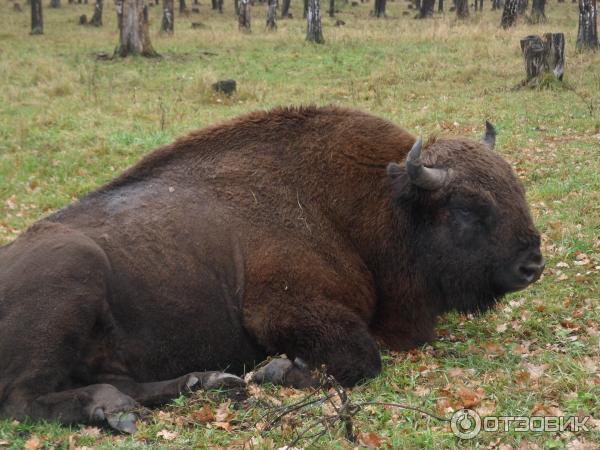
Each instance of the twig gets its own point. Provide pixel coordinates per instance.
(403, 406)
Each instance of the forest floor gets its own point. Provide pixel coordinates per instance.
(70, 122)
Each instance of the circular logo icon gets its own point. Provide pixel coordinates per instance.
(465, 423)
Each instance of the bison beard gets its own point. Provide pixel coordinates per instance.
(277, 232)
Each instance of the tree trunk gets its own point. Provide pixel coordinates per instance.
(441, 6)
(522, 7)
(509, 14)
(426, 9)
(167, 24)
(305, 9)
(543, 56)
(134, 36)
(272, 15)
(379, 8)
(475, 5)
(220, 6)
(285, 9)
(587, 34)
(495, 5)
(54, 3)
(214, 4)
(182, 7)
(314, 32)
(331, 8)
(462, 9)
(538, 11)
(236, 7)
(96, 19)
(244, 15)
(37, 20)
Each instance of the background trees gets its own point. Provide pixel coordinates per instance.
(134, 37)
(587, 34)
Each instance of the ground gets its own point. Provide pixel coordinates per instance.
(70, 122)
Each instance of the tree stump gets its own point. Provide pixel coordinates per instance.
(83, 19)
(331, 8)
(543, 56)
(509, 14)
(244, 15)
(134, 35)
(37, 19)
(538, 11)
(226, 87)
(587, 33)
(17, 7)
(314, 32)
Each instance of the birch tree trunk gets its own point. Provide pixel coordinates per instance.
(462, 9)
(285, 9)
(96, 19)
(538, 11)
(244, 15)
(167, 24)
(509, 14)
(314, 32)
(426, 9)
(272, 15)
(522, 7)
(587, 34)
(379, 8)
(134, 36)
(37, 20)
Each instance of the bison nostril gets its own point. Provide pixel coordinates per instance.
(531, 271)
(528, 272)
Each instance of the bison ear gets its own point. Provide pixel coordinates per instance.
(489, 138)
(394, 170)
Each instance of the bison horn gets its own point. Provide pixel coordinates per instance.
(421, 176)
(489, 138)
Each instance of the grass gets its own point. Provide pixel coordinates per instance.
(69, 123)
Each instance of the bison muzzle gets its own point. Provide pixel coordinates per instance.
(320, 233)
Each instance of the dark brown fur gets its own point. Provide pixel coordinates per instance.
(277, 232)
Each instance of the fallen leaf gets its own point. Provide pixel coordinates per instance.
(223, 414)
(90, 431)
(422, 391)
(501, 328)
(590, 365)
(203, 415)
(223, 425)
(167, 435)
(33, 443)
(468, 397)
(369, 440)
(581, 444)
(535, 372)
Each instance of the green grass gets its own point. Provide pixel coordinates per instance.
(69, 123)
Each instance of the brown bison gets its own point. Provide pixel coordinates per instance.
(291, 231)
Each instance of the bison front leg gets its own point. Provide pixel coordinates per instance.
(313, 334)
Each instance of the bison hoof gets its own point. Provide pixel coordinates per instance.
(123, 422)
(214, 380)
(274, 372)
(284, 372)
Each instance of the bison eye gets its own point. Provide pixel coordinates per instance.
(465, 214)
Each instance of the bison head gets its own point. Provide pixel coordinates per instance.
(471, 232)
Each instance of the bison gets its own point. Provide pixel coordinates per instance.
(319, 233)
